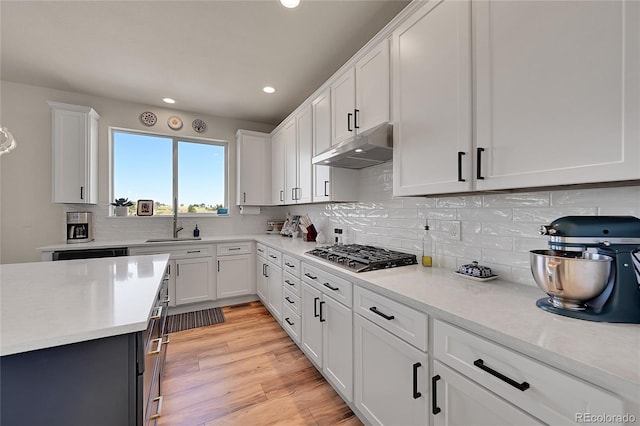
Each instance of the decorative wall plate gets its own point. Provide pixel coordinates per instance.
(175, 122)
(199, 125)
(148, 118)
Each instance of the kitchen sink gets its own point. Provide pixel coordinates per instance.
(164, 240)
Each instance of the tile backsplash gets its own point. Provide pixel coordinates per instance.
(497, 229)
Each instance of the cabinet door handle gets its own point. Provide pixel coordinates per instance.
(321, 319)
(281, 195)
(330, 287)
(289, 322)
(266, 268)
(157, 313)
(356, 114)
(460, 155)
(289, 300)
(169, 269)
(385, 316)
(434, 394)
(315, 307)
(349, 115)
(158, 409)
(479, 164)
(298, 195)
(218, 266)
(325, 188)
(310, 276)
(520, 386)
(82, 192)
(177, 270)
(416, 394)
(158, 348)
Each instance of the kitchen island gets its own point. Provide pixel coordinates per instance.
(73, 337)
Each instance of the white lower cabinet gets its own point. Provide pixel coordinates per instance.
(235, 273)
(194, 280)
(390, 377)
(274, 289)
(460, 401)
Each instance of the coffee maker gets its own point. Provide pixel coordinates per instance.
(79, 227)
(592, 268)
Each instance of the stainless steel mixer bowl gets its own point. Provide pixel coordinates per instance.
(570, 280)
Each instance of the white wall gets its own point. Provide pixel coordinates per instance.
(498, 230)
(28, 217)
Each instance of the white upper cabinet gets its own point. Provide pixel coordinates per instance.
(289, 142)
(297, 141)
(329, 183)
(557, 92)
(75, 154)
(360, 96)
(254, 173)
(277, 168)
(432, 100)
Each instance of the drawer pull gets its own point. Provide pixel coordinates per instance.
(273, 257)
(385, 316)
(157, 314)
(330, 287)
(289, 300)
(289, 265)
(289, 322)
(158, 348)
(521, 386)
(158, 409)
(193, 251)
(289, 282)
(261, 250)
(310, 276)
(434, 394)
(416, 394)
(235, 248)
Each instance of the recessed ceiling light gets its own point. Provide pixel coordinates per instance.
(359, 150)
(169, 100)
(268, 89)
(290, 3)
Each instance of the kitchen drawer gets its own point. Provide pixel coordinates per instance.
(274, 256)
(176, 252)
(292, 301)
(336, 287)
(229, 249)
(546, 393)
(261, 250)
(291, 264)
(292, 283)
(404, 322)
(292, 323)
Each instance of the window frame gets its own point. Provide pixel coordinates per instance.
(174, 186)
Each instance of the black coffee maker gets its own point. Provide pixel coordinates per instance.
(592, 268)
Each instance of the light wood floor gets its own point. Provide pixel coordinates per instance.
(246, 371)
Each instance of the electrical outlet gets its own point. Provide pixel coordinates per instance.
(452, 228)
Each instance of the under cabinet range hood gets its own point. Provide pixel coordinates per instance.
(369, 148)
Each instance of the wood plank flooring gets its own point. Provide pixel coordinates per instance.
(246, 371)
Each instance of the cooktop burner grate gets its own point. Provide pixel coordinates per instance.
(362, 258)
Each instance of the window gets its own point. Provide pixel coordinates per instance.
(163, 168)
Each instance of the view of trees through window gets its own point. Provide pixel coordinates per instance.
(160, 168)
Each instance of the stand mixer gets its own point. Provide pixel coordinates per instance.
(592, 270)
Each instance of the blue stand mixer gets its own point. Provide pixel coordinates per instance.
(592, 268)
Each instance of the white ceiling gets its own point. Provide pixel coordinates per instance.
(213, 57)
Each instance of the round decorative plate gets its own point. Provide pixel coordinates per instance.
(199, 125)
(175, 122)
(148, 118)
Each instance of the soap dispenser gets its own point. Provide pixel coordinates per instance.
(196, 231)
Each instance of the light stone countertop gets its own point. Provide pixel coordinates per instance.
(601, 353)
(47, 304)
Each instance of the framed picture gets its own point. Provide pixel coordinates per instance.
(145, 207)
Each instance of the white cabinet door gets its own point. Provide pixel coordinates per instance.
(289, 138)
(253, 168)
(235, 276)
(171, 274)
(311, 325)
(321, 107)
(557, 92)
(274, 282)
(372, 88)
(432, 100)
(262, 287)
(343, 93)
(337, 341)
(391, 377)
(194, 280)
(74, 153)
(305, 147)
(461, 402)
(277, 168)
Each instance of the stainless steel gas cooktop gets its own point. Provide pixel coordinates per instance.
(361, 258)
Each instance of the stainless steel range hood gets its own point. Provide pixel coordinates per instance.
(369, 148)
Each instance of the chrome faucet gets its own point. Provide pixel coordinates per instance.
(176, 228)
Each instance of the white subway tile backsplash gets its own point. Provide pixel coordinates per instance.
(459, 202)
(528, 244)
(616, 197)
(544, 216)
(510, 229)
(507, 258)
(485, 215)
(534, 199)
